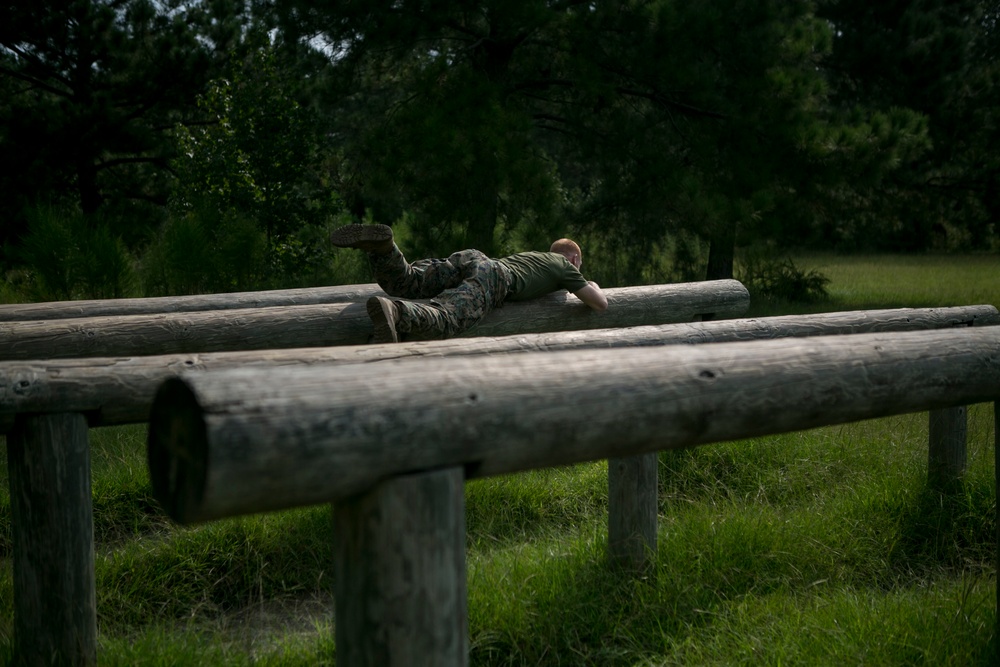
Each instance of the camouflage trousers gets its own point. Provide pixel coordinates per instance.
(461, 289)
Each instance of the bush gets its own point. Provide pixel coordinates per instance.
(66, 255)
(767, 276)
(203, 251)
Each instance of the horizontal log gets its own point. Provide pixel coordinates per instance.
(348, 324)
(252, 440)
(112, 390)
(59, 310)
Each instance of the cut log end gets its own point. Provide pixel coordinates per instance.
(178, 451)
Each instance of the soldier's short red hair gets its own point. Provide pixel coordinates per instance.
(566, 246)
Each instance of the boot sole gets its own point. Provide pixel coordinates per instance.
(362, 237)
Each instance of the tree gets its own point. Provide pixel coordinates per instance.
(440, 107)
(936, 58)
(95, 87)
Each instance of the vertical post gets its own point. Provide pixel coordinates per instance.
(996, 487)
(55, 603)
(947, 430)
(632, 505)
(399, 573)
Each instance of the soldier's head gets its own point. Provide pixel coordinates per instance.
(568, 249)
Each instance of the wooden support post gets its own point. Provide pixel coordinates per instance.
(632, 511)
(55, 607)
(947, 429)
(399, 573)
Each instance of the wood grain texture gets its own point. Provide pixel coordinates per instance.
(55, 619)
(346, 324)
(165, 333)
(285, 437)
(632, 503)
(399, 573)
(59, 310)
(947, 458)
(119, 390)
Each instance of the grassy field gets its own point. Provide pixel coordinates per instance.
(822, 547)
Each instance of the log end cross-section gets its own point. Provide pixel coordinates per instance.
(177, 450)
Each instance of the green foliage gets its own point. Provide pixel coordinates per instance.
(257, 152)
(91, 88)
(67, 255)
(768, 277)
(204, 251)
(667, 132)
(197, 254)
(930, 60)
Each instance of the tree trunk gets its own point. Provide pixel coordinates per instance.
(482, 227)
(86, 182)
(722, 251)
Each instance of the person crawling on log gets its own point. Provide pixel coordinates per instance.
(463, 288)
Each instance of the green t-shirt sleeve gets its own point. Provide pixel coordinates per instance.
(536, 274)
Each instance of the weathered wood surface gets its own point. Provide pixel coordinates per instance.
(348, 324)
(114, 390)
(399, 573)
(947, 430)
(253, 440)
(55, 620)
(633, 499)
(165, 333)
(58, 310)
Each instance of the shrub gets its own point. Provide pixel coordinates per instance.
(770, 277)
(67, 255)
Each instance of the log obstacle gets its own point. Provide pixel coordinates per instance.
(230, 442)
(348, 323)
(119, 390)
(60, 310)
(271, 327)
(115, 390)
(252, 440)
(48, 463)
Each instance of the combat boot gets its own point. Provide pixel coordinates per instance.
(369, 238)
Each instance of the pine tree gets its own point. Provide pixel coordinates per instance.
(95, 87)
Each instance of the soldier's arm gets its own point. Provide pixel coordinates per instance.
(593, 296)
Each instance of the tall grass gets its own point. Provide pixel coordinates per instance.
(824, 547)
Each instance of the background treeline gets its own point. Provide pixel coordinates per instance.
(177, 146)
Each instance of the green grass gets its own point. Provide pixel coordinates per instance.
(824, 547)
(897, 281)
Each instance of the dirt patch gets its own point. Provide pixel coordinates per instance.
(263, 626)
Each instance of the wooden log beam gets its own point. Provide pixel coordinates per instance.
(55, 599)
(59, 310)
(348, 324)
(111, 391)
(250, 440)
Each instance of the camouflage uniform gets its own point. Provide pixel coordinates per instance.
(462, 290)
